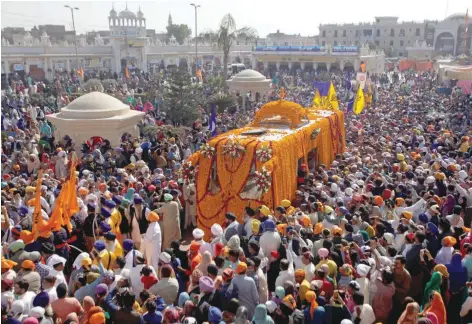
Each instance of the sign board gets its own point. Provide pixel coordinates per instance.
(290, 48)
(344, 49)
(93, 63)
(59, 66)
(18, 67)
(296, 58)
(361, 78)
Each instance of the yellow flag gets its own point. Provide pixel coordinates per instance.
(316, 100)
(333, 99)
(359, 102)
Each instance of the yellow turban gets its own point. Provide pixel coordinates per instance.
(286, 203)
(265, 210)
(8, 264)
(172, 140)
(449, 241)
(153, 217)
(255, 226)
(305, 220)
(370, 231)
(130, 166)
(400, 157)
(328, 209)
(442, 269)
(241, 267)
(407, 214)
(439, 175)
(336, 230)
(318, 228)
(30, 189)
(310, 297)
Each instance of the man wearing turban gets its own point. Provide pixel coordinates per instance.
(153, 241)
(246, 287)
(169, 213)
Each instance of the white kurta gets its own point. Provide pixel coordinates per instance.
(190, 205)
(153, 244)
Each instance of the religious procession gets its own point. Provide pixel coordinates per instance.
(313, 197)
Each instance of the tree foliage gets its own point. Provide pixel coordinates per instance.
(180, 32)
(222, 100)
(181, 99)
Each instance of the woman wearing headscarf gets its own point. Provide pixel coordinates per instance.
(442, 269)
(314, 314)
(410, 315)
(436, 306)
(33, 164)
(206, 261)
(194, 288)
(457, 280)
(433, 285)
(260, 315)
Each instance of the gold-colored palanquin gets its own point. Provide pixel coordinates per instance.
(305, 129)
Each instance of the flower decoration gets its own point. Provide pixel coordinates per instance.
(207, 150)
(186, 171)
(263, 180)
(233, 148)
(264, 154)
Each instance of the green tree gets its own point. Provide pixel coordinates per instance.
(227, 34)
(180, 32)
(181, 99)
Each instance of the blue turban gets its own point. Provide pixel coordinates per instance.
(110, 236)
(105, 212)
(109, 203)
(116, 200)
(99, 245)
(23, 211)
(41, 300)
(105, 227)
(433, 228)
(157, 182)
(91, 207)
(138, 200)
(268, 226)
(128, 245)
(423, 218)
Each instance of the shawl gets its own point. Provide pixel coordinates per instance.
(434, 284)
(410, 314)
(458, 273)
(437, 307)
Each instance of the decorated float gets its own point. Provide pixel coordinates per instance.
(258, 164)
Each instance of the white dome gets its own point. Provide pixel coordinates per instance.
(94, 105)
(127, 14)
(140, 14)
(113, 13)
(248, 75)
(456, 16)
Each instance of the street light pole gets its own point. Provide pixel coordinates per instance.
(75, 33)
(196, 39)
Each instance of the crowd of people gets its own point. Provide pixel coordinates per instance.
(382, 235)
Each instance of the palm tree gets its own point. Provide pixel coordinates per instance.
(227, 34)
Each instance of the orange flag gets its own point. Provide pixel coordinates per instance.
(55, 221)
(126, 72)
(72, 206)
(38, 221)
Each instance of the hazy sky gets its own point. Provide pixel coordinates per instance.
(294, 16)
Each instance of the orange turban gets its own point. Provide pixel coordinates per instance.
(408, 215)
(83, 191)
(336, 230)
(26, 236)
(399, 201)
(305, 220)
(28, 264)
(8, 264)
(318, 228)
(194, 246)
(449, 241)
(31, 202)
(378, 200)
(300, 273)
(281, 228)
(97, 318)
(442, 269)
(437, 200)
(290, 302)
(241, 267)
(310, 297)
(102, 186)
(153, 217)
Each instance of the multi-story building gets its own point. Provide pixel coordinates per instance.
(394, 37)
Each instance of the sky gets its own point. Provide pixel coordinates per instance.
(266, 16)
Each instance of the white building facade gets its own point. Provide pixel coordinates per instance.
(446, 36)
